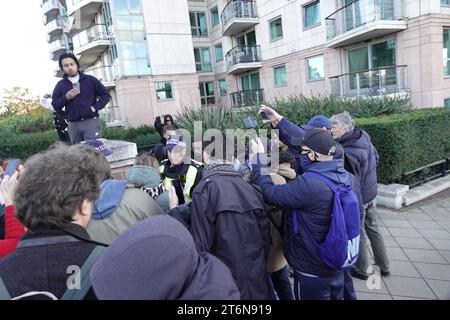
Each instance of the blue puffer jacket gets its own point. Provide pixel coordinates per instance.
(313, 199)
(357, 143)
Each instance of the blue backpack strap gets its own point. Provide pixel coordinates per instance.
(4, 293)
(80, 294)
(330, 183)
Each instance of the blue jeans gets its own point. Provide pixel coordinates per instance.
(281, 284)
(317, 288)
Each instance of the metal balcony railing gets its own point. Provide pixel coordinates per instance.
(247, 98)
(240, 54)
(111, 115)
(50, 5)
(361, 12)
(238, 9)
(94, 33)
(106, 74)
(57, 23)
(371, 82)
(62, 43)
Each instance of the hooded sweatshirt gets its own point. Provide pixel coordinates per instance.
(117, 209)
(313, 199)
(157, 260)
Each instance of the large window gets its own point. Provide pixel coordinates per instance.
(276, 29)
(279, 75)
(223, 87)
(315, 68)
(311, 14)
(215, 19)
(134, 58)
(164, 90)
(446, 52)
(445, 2)
(207, 93)
(128, 15)
(198, 24)
(447, 103)
(202, 60)
(218, 52)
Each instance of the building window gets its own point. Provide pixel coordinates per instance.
(219, 52)
(134, 58)
(164, 90)
(198, 24)
(315, 68)
(207, 93)
(202, 60)
(446, 52)
(223, 87)
(445, 2)
(311, 15)
(279, 75)
(447, 103)
(215, 16)
(276, 29)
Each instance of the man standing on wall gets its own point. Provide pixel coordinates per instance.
(83, 96)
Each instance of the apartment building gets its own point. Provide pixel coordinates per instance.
(157, 56)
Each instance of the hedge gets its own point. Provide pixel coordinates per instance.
(408, 141)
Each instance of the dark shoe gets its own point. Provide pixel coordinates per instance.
(385, 273)
(359, 275)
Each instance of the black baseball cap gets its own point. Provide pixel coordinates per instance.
(319, 141)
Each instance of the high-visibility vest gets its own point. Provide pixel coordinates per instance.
(191, 175)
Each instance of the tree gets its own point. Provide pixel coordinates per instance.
(20, 101)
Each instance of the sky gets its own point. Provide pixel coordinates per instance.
(24, 50)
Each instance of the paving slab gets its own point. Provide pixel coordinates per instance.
(396, 254)
(414, 243)
(405, 232)
(426, 256)
(372, 296)
(440, 244)
(370, 286)
(397, 223)
(440, 288)
(420, 224)
(409, 287)
(433, 271)
(435, 234)
(445, 254)
(403, 269)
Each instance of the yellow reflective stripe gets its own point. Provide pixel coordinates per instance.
(190, 180)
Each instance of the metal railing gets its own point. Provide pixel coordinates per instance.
(426, 173)
(238, 9)
(104, 74)
(240, 54)
(111, 115)
(57, 23)
(371, 82)
(60, 44)
(50, 5)
(247, 98)
(360, 12)
(93, 33)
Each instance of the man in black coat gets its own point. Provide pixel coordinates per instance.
(228, 220)
(54, 201)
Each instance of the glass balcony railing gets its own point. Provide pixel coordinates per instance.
(247, 98)
(238, 9)
(51, 5)
(371, 82)
(111, 115)
(106, 74)
(55, 24)
(239, 54)
(360, 12)
(62, 43)
(90, 35)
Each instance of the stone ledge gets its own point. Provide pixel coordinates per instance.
(391, 196)
(124, 153)
(427, 190)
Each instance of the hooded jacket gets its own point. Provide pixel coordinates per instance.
(314, 199)
(357, 143)
(157, 260)
(117, 209)
(92, 94)
(228, 220)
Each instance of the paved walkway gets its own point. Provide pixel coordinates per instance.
(418, 243)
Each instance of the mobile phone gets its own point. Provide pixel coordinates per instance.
(250, 122)
(76, 86)
(264, 115)
(11, 167)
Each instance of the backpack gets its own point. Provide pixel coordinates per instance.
(340, 248)
(69, 294)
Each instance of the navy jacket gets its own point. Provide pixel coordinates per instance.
(92, 94)
(313, 199)
(357, 143)
(228, 220)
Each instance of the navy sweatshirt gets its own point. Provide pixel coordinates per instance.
(92, 94)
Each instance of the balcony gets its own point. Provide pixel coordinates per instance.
(238, 16)
(247, 98)
(363, 20)
(106, 74)
(82, 13)
(59, 46)
(372, 82)
(242, 59)
(51, 9)
(112, 117)
(91, 43)
(55, 28)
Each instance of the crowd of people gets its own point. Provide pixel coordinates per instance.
(224, 227)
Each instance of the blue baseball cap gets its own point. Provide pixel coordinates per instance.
(175, 141)
(318, 121)
(100, 146)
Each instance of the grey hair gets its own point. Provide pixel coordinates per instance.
(345, 120)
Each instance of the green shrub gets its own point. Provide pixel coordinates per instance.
(408, 141)
(25, 145)
(27, 123)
